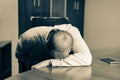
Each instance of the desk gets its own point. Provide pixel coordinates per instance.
(97, 71)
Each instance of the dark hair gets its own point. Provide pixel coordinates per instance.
(50, 39)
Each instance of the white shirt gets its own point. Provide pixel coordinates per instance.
(81, 56)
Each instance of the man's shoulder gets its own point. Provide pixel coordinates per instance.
(72, 28)
(66, 27)
(39, 28)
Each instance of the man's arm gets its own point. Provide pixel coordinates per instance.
(77, 59)
(81, 56)
(46, 63)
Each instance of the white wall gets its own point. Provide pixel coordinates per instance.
(102, 24)
(9, 26)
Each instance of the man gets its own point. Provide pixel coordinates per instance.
(33, 46)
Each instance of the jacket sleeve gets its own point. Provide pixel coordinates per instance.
(81, 56)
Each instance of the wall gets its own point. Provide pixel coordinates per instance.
(102, 24)
(9, 26)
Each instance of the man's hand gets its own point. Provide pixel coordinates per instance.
(45, 63)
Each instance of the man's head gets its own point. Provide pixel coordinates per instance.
(59, 43)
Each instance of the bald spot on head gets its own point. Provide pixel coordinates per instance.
(62, 40)
(60, 43)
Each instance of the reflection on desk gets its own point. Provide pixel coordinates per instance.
(56, 73)
(68, 73)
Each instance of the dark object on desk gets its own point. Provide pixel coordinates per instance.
(5, 59)
(109, 60)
